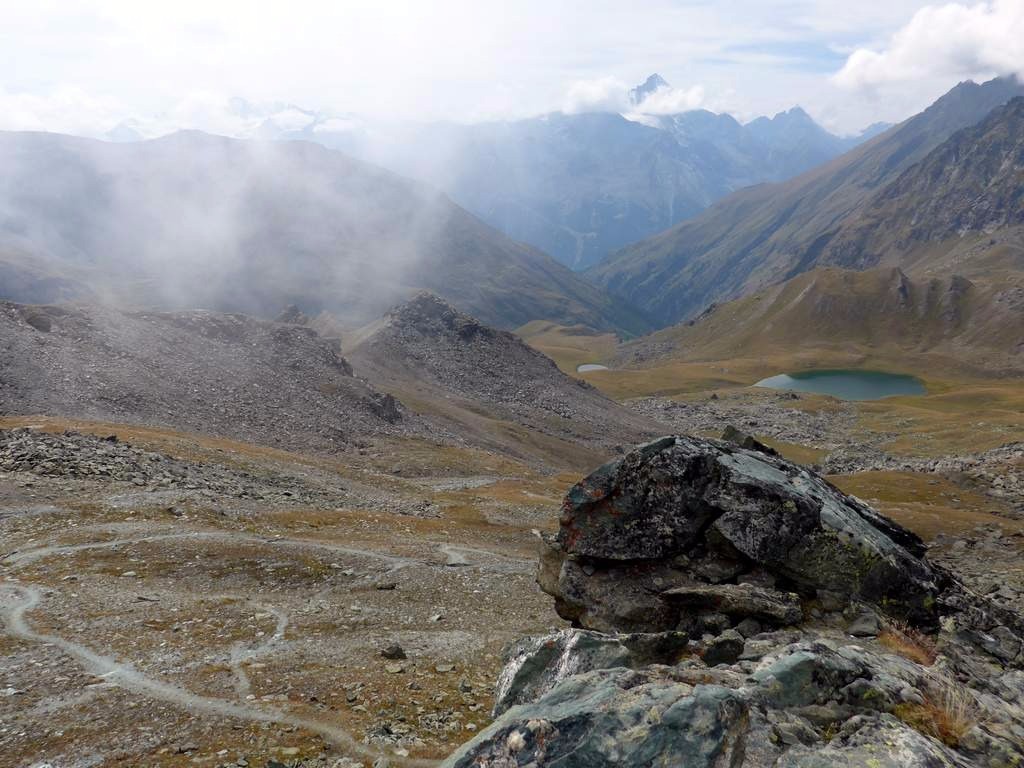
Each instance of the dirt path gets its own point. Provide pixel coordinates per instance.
(240, 654)
(17, 599)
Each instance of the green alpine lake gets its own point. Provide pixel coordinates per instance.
(847, 384)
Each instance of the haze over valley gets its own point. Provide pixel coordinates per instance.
(384, 385)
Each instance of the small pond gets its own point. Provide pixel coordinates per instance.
(590, 367)
(847, 385)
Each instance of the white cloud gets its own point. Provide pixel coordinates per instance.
(603, 94)
(464, 60)
(65, 109)
(610, 94)
(672, 101)
(952, 40)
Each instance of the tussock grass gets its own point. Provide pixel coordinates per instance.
(948, 713)
(909, 643)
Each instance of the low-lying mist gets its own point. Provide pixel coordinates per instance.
(193, 220)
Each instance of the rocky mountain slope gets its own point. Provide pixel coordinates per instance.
(578, 186)
(215, 374)
(193, 220)
(488, 384)
(732, 608)
(978, 323)
(769, 233)
(971, 184)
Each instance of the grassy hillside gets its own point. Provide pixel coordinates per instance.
(979, 325)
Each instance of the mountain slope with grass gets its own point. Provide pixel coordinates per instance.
(970, 187)
(881, 312)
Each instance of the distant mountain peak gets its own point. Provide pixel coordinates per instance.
(646, 88)
(793, 114)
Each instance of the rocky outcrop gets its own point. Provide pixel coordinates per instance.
(470, 378)
(535, 665)
(809, 704)
(769, 572)
(642, 537)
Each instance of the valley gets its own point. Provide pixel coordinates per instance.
(245, 602)
(634, 432)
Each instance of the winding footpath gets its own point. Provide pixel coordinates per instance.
(17, 599)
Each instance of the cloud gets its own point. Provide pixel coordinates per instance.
(461, 60)
(603, 94)
(65, 109)
(610, 94)
(952, 40)
(672, 101)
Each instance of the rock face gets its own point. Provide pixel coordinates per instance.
(534, 666)
(693, 538)
(469, 376)
(645, 536)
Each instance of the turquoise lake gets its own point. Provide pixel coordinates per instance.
(847, 385)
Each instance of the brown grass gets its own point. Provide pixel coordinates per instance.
(927, 504)
(909, 643)
(948, 713)
(568, 346)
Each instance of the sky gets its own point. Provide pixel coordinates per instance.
(84, 66)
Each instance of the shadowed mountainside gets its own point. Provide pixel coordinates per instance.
(769, 233)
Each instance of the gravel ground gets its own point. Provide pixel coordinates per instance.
(238, 629)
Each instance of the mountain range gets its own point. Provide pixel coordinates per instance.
(882, 202)
(250, 226)
(578, 186)
(194, 220)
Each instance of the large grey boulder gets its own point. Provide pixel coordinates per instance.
(642, 536)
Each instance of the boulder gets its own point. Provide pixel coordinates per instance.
(615, 717)
(809, 705)
(724, 649)
(635, 538)
(865, 625)
(727, 543)
(737, 437)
